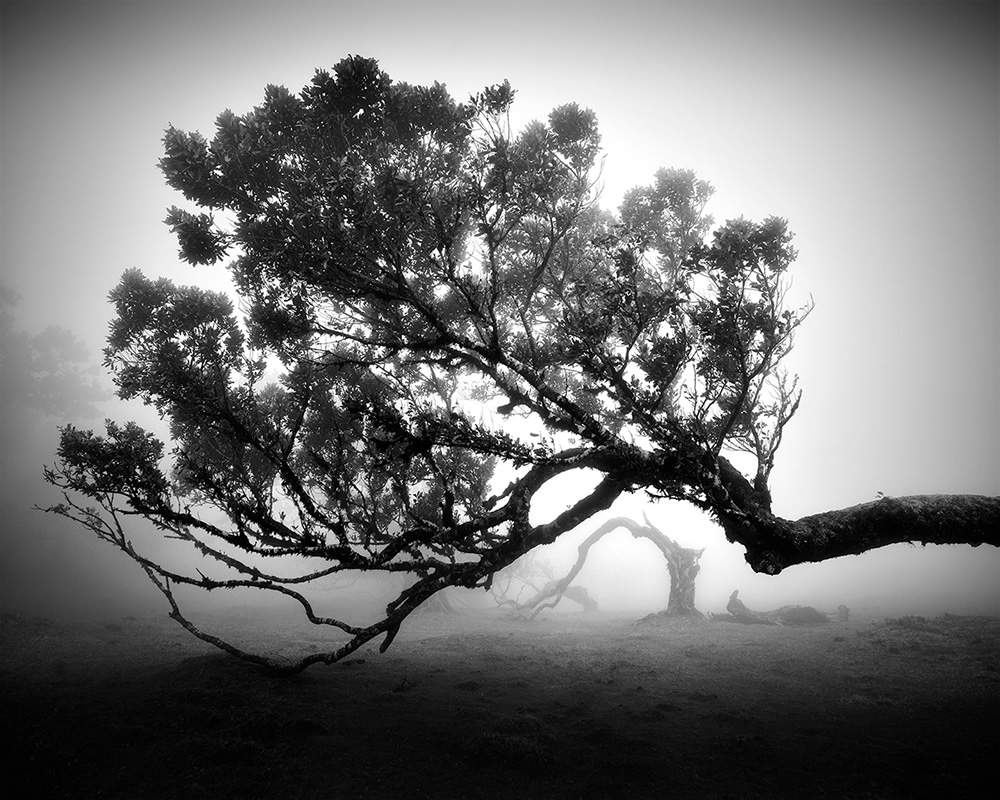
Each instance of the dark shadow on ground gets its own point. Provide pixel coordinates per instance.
(475, 705)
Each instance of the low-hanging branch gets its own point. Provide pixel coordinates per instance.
(430, 300)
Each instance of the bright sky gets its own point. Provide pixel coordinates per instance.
(873, 127)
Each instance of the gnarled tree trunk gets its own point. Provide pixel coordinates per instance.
(682, 566)
(773, 543)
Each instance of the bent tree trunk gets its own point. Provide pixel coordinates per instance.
(773, 544)
(682, 566)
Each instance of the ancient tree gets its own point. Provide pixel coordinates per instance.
(435, 320)
(682, 568)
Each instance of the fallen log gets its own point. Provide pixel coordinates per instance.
(786, 615)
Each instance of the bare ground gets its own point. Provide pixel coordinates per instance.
(476, 705)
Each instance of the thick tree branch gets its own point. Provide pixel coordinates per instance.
(774, 544)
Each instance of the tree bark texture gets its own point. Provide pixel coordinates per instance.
(773, 543)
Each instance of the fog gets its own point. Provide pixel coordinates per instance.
(874, 128)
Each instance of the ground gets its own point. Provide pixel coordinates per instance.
(478, 705)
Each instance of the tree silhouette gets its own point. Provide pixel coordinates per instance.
(437, 320)
(682, 567)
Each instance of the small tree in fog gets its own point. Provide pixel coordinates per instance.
(44, 373)
(436, 320)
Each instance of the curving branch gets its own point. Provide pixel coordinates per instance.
(682, 565)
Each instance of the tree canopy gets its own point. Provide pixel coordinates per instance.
(436, 319)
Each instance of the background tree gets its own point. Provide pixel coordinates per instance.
(682, 567)
(422, 289)
(544, 591)
(45, 373)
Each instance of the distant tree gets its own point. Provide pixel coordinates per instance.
(510, 584)
(45, 373)
(445, 310)
(682, 567)
(525, 578)
(45, 376)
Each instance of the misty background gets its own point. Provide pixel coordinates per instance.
(873, 127)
